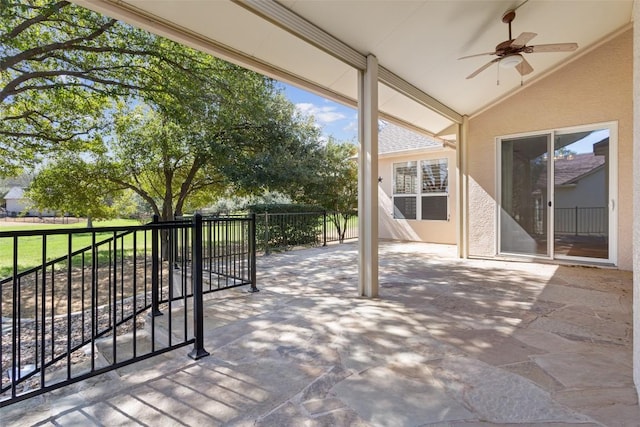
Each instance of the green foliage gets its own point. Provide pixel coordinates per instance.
(126, 110)
(62, 68)
(282, 226)
(335, 185)
(73, 185)
(283, 208)
(182, 157)
(231, 204)
(279, 153)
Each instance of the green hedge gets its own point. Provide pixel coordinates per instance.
(283, 208)
(282, 226)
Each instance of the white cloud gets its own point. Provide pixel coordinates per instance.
(352, 126)
(323, 115)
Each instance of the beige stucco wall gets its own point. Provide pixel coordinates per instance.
(636, 197)
(415, 230)
(595, 88)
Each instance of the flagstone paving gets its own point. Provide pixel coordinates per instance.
(449, 342)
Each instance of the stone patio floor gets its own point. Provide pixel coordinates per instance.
(449, 342)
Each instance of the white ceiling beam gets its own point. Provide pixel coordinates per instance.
(289, 21)
(298, 26)
(407, 89)
(142, 19)
(293, 23)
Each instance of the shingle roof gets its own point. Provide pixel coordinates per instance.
(15, 193)
(570, 169)
(393, 138)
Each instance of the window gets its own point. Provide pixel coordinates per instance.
(405, 184)
(431, 203)
(435, 189)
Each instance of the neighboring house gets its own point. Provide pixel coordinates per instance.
(416, 187)
(573, 174)
(16, 203)
(580, 199)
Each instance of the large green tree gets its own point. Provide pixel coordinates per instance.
(70, 79)
(334, 186)
(62, 67)
(178, 157)
(70, 83)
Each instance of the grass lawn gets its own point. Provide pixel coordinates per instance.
(30, 247)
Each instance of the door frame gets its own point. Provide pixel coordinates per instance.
(612, 204)
(549, 134)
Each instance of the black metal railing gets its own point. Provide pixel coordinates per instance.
(577, 221)
(228, 253)
(581, 221)
(94, 300)
(283, 231)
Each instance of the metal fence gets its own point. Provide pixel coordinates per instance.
(581, 221)
(283, 231)
(98, 299)
(577, 221)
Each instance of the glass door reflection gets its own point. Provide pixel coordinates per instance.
(524, 198)
(581, 194)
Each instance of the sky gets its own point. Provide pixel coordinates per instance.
(334, 119)
(585, 145)
(341, 122)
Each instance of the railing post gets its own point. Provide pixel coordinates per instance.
(252, 253)
(324, 228)
(266, 233)
(174, 245)
(196, 277)
(155, 269)
(576, 220)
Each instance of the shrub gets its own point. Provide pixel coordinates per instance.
(282, 226)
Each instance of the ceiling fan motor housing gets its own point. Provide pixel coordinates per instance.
(505, 48)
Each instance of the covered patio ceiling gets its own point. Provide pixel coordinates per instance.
(321, 45)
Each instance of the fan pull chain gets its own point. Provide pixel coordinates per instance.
(498, 78)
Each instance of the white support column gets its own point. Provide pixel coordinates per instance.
(462, 196)
(636, 194)
(368, 179)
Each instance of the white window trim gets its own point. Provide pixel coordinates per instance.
(418, 196)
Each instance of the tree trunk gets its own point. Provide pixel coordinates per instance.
(89, 222)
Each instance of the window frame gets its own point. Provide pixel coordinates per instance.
(405, 195)
(420, 192)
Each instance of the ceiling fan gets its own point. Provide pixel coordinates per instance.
(510, 51)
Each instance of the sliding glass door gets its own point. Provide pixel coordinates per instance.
(524, 217)
(557, 194)
(581, 164)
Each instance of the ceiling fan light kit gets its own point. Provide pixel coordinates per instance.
(511, 61)
(509, 52)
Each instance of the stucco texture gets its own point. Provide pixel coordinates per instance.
(595, 88)
(636, 199)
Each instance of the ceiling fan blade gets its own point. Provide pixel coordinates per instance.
(481, 69)
(524, 67)
(555, 47)
(522, 39)
(477, 54)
